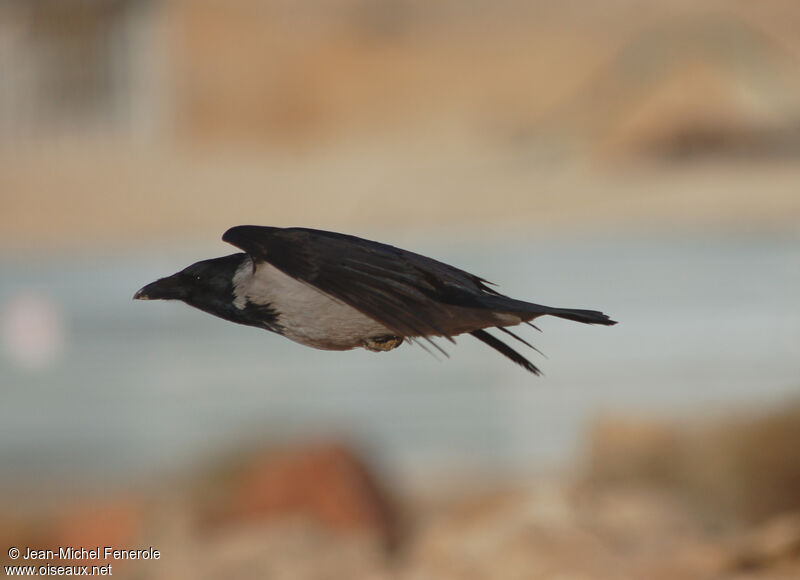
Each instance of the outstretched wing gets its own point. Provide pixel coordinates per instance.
(410, 294)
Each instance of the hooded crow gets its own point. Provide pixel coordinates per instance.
(338, 292)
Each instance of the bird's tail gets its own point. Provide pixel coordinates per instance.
(585, 316)
(528, 310)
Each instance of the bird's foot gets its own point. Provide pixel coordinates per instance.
(382, 343)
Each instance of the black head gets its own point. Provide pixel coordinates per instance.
(207, 285)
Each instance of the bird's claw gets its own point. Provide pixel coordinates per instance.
(382, 343)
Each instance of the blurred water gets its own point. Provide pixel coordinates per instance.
(706, 324)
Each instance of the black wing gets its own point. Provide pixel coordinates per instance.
(410, 294)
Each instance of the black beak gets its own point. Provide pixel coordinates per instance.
(169, 288)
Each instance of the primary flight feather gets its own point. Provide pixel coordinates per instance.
(338, 292)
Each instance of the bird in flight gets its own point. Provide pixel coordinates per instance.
(338, 292)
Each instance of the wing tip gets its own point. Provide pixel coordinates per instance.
(236, 234)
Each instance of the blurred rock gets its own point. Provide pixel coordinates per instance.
(748, 467)
(738, 470)
(20, 529)
(641, 510)
(633, 450)
(288, 549)
(115, 522)
(328, 484)
(549, 531)
(774, 543)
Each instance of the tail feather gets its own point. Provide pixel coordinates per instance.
(585, 316)
(519, 338)
(505, 350)
(528, 310)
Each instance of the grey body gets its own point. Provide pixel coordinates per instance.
(307, 315)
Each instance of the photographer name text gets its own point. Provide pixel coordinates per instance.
(93, 553)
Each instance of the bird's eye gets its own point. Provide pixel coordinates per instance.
(197, 277)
